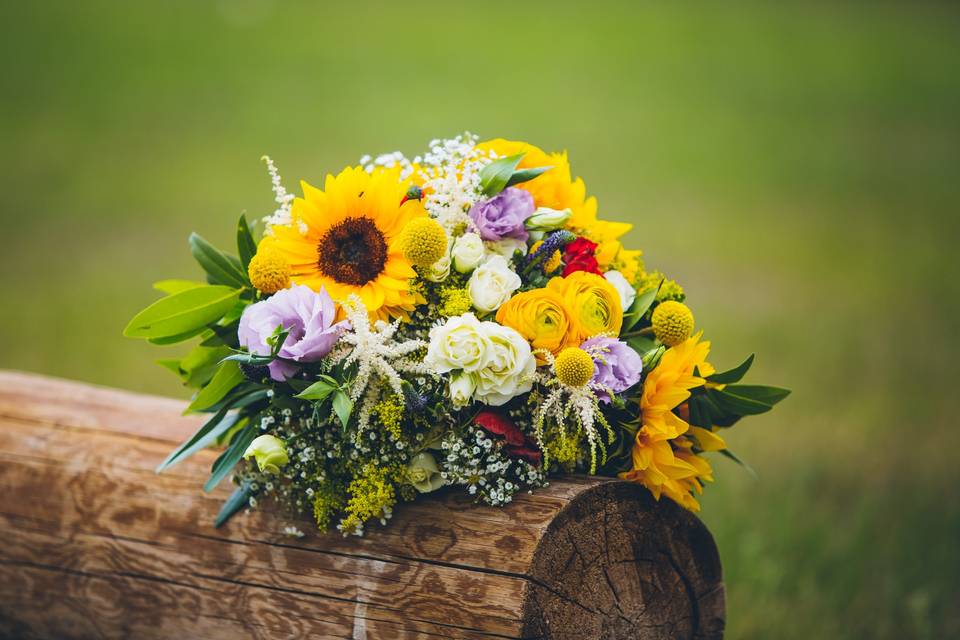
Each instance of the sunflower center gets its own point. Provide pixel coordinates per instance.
(352, 252)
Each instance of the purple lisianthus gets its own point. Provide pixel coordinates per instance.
(503, 215)
(616, 365)
(307, 316)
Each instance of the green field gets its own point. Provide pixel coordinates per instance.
(796, 167)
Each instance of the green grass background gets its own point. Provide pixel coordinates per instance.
(795, 166)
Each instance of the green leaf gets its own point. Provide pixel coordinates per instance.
(175, 286)
(746, 400)
(218, 265)
(222, 335)
(171, 364)
(201, 363)
(641, 344)
(733, 375)
(639, 308)
(229, 459)
(732, 456)
(245, 394)
(189, 447)
(224, 380)
(251, 359)
(246, 245)
(319, 390)
(495, 176)
(525, 175)
(343, 407)
(180, 337)
(181, 313)
(237, 501)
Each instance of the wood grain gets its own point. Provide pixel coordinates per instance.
(96, 545)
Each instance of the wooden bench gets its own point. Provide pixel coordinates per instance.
(95, 544)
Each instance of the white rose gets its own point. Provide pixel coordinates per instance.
(440, 269)
(547, 219)
(510, 370)
(507, 247)
(462, 386)
(460, 344)
(468, 252)
(492, 284)
(627, 293)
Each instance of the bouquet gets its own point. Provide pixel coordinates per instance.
(458, 319)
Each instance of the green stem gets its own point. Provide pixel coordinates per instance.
(646, 331)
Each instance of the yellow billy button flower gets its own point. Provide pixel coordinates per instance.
(270, 453)
(574, 367)
(423, 241)
(269, 271)
(672, 322)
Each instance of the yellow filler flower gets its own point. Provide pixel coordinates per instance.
(347, 239)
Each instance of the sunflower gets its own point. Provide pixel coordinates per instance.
(347, 239)
(669, 467)
(557, 190)
(663, 457)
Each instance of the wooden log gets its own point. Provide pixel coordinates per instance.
(95, 544)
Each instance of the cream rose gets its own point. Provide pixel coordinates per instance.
(492, 284)
(460, 344)
(510, 369)
(468, 252)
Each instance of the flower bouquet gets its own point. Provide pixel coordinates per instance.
(462, 318)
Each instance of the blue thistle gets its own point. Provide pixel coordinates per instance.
(556, 240)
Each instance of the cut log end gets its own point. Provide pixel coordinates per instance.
(617, 564)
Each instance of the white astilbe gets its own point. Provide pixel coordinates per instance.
(378, 355)
(451, 172)
(563, 402)
(282, 216)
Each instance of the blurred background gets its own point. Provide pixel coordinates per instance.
(796, 167)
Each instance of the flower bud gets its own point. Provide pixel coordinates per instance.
(547, 219)
(424, 474)
(468, 252)
(627, 293)
(270, 453)
(462, 387)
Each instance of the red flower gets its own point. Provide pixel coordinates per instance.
(516, 444)
(579, 256)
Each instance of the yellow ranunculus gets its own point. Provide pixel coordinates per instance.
(540, 316)
(593, 302)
